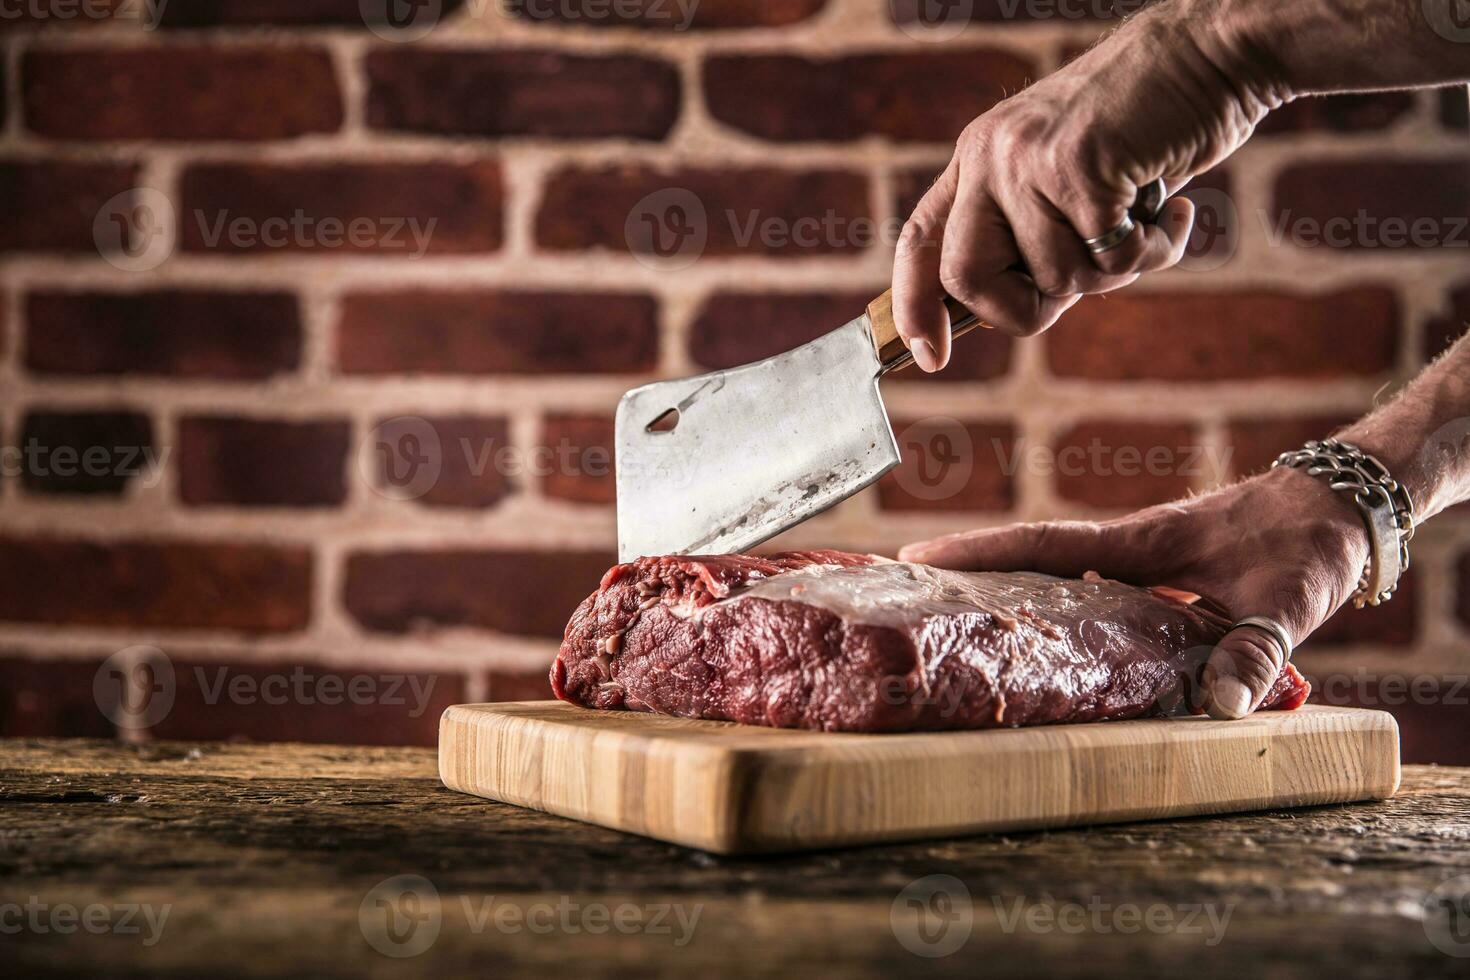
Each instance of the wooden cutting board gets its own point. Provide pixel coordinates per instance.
(735, 788)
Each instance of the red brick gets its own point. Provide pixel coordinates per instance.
(579, 451)
(40, 698)
(50, 205)
(753, 211)
(469, 453)
(1454, 108)
(667, 15)
(155, 584)
(85, 452)
(530, 686)
(496, 332)
(281, 13)
(909, 187)
(1339, 113)
(1373, 204)
(1125, 464)
(920, 13)
(163, 333)
(951, 466)
(387, 200)
(927, 96)
(1441, 332)
(180, 92)
(519, 592)
(1135, 335)
(1394, 623)
(1256, 442)
(737, 328)
(245, 462)
(291, 701)
(521, 93)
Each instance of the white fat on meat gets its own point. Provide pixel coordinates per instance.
(889, 594)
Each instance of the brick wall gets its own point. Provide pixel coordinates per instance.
(338, 312)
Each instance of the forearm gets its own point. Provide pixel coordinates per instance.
(1287, 48)
(1423, 434)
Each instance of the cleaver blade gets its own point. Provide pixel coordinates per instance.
(721, 462)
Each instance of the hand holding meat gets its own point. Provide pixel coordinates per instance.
(1171, 93)
(1281, 545)
(1278, 545)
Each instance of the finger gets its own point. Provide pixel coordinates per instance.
(1240, 672)
(1014, 305)
(1154, 245)
(1067, 549)
(981, 266)
(918, 297)
(1055, 257)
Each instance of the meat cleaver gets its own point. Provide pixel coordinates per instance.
(718, 463)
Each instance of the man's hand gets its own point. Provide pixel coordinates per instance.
(1002, 229)
(1172, 92)
(1282, 545)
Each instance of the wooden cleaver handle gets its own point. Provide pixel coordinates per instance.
(892, 353)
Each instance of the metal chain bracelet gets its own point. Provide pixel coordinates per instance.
(1386, 507)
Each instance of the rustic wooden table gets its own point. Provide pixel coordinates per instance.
(212, 859)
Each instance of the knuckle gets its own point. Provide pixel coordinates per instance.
(958, 278)
(1060, 279)
(919, 232)
(1050, 277)
(978, 138)
(1056, 286)
(1251, 658)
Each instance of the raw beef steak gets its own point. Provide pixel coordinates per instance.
(843, 642)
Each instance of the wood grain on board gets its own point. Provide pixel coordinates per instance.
(734, 788)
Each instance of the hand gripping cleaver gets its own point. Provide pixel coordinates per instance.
(720, 462)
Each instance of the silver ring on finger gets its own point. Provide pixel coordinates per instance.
(1272, 629)
(1148, 203)
(1111, 239)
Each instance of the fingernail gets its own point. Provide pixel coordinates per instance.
(1229, 699)
(925, 355)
